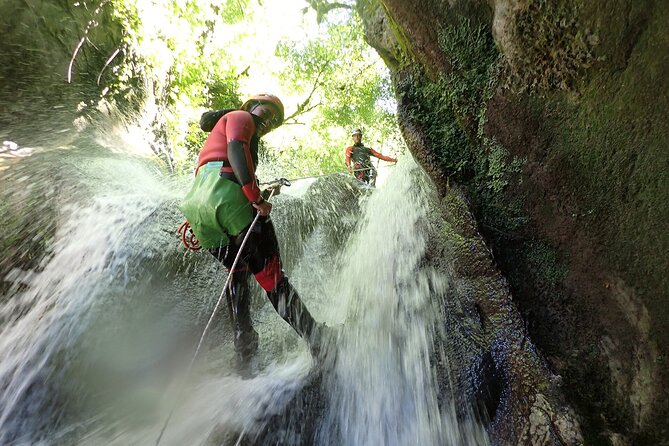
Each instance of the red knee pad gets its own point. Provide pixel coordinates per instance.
(270, 275)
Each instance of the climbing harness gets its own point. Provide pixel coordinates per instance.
(281, 181)
(189, 239)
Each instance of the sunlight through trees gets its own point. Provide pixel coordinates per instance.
(182, 57)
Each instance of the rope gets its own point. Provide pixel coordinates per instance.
(211, 318)
(320, 176)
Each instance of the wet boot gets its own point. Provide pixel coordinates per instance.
(239, 304)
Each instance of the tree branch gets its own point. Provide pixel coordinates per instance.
(107, 63)
(304, 106)
(74, 55)
(322, 7)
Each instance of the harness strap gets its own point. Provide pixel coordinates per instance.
(229, 176)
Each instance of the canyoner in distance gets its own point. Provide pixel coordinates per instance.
(222, 205)
(358, 160)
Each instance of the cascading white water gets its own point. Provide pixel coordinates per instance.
(382, 389)
(45, 318)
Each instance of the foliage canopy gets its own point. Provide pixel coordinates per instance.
(182, 57)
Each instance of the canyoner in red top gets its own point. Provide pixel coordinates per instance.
(221, 206)
(358, 159)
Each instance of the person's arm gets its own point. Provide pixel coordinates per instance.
(239, 129)
(349, 150)
(381, 156)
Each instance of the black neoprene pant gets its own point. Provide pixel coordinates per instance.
(260, 256)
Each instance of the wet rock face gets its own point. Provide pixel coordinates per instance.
(551, 45)
(416, 26)
(498, 370)
(545, 422)
(30, 210)
(546, 44)
(573, 96)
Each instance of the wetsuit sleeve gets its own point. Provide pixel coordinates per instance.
(381, 156)
(239, 129)
(349, 150)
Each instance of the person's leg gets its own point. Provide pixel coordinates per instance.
(239, 301)
(262, 255)
(290, 307)
(238, 295)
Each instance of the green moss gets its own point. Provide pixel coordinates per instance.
(608, 150)
(552, 48)
(402, 55)
(458, 215)
(605, 149)
(543, 259)
(496, 171)
(473, 57)
(612, 148)
(456, 107)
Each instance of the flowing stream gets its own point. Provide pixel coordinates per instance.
(95, 338)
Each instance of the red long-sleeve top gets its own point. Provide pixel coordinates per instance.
(233, 141)
(360, 155)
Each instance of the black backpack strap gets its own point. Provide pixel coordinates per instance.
(209, 119)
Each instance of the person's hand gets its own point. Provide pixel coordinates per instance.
(263, 208)
(273, 190)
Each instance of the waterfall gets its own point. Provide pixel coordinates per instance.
(90, 339)
(46, 315)
(384, 389)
